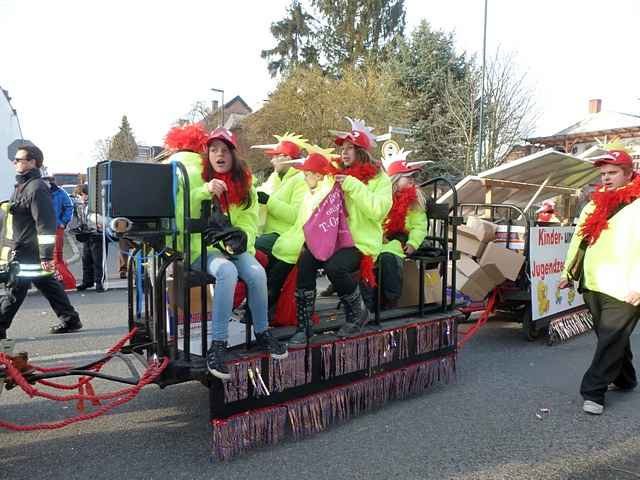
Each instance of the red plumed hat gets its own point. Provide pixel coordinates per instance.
(192, 137)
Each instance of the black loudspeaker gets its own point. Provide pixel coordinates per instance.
(131, 189)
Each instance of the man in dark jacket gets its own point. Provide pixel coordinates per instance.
(28, 236)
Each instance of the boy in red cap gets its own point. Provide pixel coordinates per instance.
(604, 258)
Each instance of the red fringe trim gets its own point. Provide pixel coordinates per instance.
(607, 201)
(316, 413)
(397, 218)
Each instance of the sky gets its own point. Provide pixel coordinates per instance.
(73, 68)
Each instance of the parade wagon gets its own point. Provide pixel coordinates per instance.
(497, 208)
(325, 381)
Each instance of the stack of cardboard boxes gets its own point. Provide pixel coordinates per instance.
(484, 264)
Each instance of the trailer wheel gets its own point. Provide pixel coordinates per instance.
(529, 329)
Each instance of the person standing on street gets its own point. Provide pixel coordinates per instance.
(603, 258)
(63, 208)
(92, 250)
(28, 236)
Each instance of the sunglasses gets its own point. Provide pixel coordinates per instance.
(26, 159)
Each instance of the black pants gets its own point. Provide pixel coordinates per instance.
(92, 260)
(613, 323)
(340, 268)
(52, 290)
(265, 242)
(391, 278)
(277, 274)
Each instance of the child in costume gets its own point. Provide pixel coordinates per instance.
(317, 171)
(367, 194)
(281, 196)
(283, 191)
(223, 177)
(404, 228)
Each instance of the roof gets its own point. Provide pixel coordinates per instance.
(604, 120)
(233, 120)
(238, 98)
(517, 182)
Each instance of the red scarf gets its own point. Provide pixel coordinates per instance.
(363, 171)
(237, 192)
(606, 202)
(402, 201)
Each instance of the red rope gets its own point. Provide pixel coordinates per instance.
(83, 380)
(126, 394)
(491, 307)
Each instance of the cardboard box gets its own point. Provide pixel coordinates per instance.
(194, 301)
(482, 230)
(474, 272)
(411, 284)
(467, 242)
(475, 291)
(508, 262)
(494, 273)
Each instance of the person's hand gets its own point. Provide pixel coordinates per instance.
(340, 178)
(633, 298)
(48, 266)
(408, 249)
(216, 187)
(263, 198)
(564, 283)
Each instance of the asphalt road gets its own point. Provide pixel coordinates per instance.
(484, 426)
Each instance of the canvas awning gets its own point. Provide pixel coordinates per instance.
(517, 182)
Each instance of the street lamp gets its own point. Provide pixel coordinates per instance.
(222, 108)
(484, 61)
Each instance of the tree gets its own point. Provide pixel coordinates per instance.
(295, 41)
(309, 103)
(426, 66)
(356, 31)
(508, 112)
(123, 145)
(101, 149)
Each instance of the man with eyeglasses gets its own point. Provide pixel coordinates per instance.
(28, 234)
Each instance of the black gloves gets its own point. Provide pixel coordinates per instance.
(263, 198)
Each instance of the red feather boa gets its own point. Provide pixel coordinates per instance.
(237, 192)
(363, 171)
(402, 201)
(606, 202)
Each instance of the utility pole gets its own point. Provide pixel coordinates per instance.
(484, 62)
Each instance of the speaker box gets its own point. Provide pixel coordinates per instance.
(131, 189)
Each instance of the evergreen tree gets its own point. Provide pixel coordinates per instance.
(427, 66)
(295, 37)
(355, 31)
(123, 145)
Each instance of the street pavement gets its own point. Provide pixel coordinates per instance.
(483, 426)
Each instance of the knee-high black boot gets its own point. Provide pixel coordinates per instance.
(305, 301)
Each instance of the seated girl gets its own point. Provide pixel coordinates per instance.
(404, 228)
(228, 181)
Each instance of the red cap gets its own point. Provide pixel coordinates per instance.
(288, 149)
(359, 139)
(401, 166)
(225, 135)
(613, 157)
(316, 163)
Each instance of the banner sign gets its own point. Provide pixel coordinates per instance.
(548, 248)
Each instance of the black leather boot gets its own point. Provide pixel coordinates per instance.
(356, 314)
(305, 302)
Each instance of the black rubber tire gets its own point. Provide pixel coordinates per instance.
(529, 329)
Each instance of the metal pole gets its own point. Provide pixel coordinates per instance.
(484, 61)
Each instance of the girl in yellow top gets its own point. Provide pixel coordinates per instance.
(404, 228)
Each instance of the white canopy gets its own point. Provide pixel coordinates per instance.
(551, 172)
